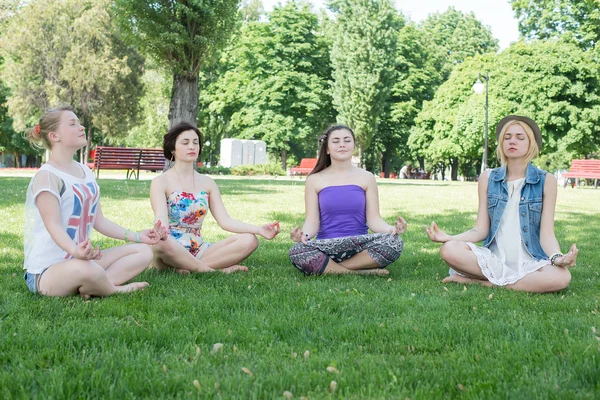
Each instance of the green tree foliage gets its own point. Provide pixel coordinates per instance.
(273, 84)
(455, 37)
(184, 36)
(555, 83)
(545, 19)
(417, 76)
(363, 60)
(69, 52)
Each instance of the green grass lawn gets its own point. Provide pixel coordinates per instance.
(396, 337)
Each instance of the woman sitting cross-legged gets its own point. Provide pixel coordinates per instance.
(342, 203)
(516, 219)
(181, 198)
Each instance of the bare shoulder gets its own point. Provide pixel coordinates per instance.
(160, 180)
(550, 179)
(364, 177)
(205, 182)
(313, 181)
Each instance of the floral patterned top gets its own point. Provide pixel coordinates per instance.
(186, 214)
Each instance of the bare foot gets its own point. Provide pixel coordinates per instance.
(463, 279)
(375, 271)
(132, 287)
(182, 271)
(234, 268)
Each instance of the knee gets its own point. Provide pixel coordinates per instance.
(144, 251)
(561, 281)
(165, 247)
(90, 272)
(447, 250)
(248, 241)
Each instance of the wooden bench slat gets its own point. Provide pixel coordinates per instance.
(132, 160)
(586, 169)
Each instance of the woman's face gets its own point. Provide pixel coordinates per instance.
(515, 142)
(340, 144)
(187, 146)
(70, 132)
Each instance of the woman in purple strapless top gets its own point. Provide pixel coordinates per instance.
(342, 204)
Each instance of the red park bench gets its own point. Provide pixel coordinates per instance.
(132, 160)
(588, 169)
(305, 167)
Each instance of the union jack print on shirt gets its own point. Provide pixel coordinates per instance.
(85, 202)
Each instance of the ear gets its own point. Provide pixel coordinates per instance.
(53, 137)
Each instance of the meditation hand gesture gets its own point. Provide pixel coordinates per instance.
(85, 251)
(436, 234)
(150, 236)
(298, 236)
(269, 231)
(569, 259)
(162, 231)
(399, 226)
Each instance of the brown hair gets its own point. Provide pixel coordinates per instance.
(324, 159)
(38, 135)
(171, 137)
(533, 150)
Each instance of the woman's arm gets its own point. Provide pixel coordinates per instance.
(225, 221)
(548, 239)
(311, 208)
(374, 221)
(482, 225)
(158, 201)
(49, 209)
(111, 229)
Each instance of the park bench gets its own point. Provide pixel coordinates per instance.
(588, 169)
(132, 160)
(305, 167)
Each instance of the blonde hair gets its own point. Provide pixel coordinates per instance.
(533, 150)
(38, 135)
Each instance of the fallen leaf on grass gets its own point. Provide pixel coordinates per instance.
(332, 386)
(247, 371)
(332, 370)
(306, 354)
(287, 395)
(164, 368)
(217, 347)
(197, 384)
(490, 296)
(461, 387)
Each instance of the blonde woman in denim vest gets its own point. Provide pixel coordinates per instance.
(516, 220)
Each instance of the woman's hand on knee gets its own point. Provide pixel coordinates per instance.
(436, 234)
(399, 226)
(568, 260)
(298, 236)
(85, 251)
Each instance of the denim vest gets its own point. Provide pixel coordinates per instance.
(530, 207)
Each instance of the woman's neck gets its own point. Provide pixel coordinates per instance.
(184, 168)
(340, 166)
(61, 157)
(516, 169)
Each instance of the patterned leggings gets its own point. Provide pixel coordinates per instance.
(312, 258)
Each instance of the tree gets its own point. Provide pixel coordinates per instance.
(69, 52)
(274, 83)
(545, 19)
(184, 36)
(555, 83)
(362, 56)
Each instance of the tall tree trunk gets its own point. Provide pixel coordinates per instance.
(184, 99)
(17, 160)
(454, 169)
(387, 164)
(90, 136)
(284, 159)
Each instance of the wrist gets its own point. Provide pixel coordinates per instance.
(554, 257)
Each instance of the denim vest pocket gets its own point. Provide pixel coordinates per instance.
(535, 213)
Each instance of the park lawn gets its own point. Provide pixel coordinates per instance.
(402, 336)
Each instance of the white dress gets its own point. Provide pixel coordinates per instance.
(507, 259)
(78, 199)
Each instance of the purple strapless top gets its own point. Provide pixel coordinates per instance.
(343, 212)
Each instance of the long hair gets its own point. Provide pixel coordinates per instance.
(324, 159)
